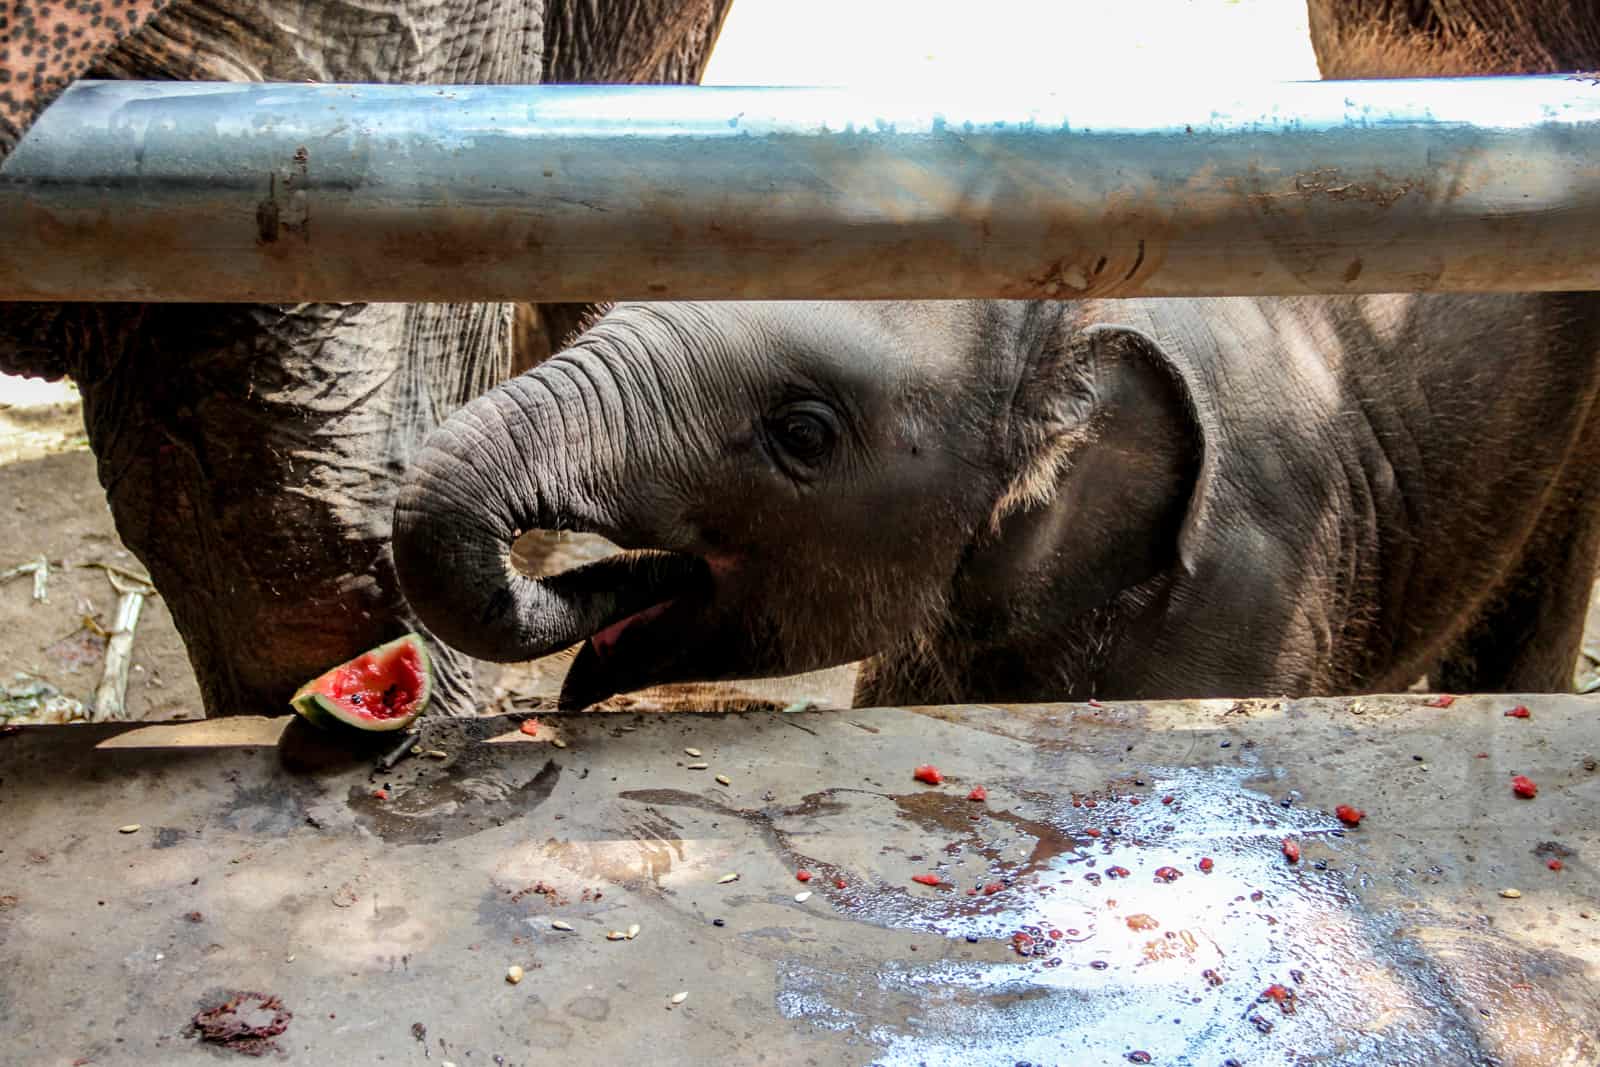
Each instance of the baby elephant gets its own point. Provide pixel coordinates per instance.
(1006, 501)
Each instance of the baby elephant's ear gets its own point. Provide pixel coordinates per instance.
(1105, 423)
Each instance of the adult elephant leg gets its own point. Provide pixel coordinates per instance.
(1444, 38)
(250, 455)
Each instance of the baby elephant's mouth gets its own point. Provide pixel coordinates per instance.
(633, 611)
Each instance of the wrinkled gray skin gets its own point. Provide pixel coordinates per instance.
(1006, 501)
(251, 453)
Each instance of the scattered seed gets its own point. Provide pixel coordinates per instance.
(437, 753)
(723, 779)
(616, 935)
(632, 932)
(698, 766)
(1511, 894)
(695, 752)
(513, 974)
(131, 828)
(802, 897)
(725, 879)
(679, 998)
(556, 741)
(561, 924)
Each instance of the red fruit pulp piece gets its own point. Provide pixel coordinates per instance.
(926, 879)
(380, 794)
(1089, 804)
(972, 892)
(1168, 874)
(1095, 704)
(1555, 865)
(978, 793)
(1481, 755)
(1206, 863)
(1056, 935)
(992, 888)
(1291, 851)
(1519, 712)
(1133, 801)
(1524, 787)
(928, 773)
(1350, 816)
(529, 726)
(1443, 700)
(1116, 872)
(1092, 832)
(838, 883)
(802, 876)
(1167, 799)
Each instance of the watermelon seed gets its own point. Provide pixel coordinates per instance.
(513, 974)
(633, 931)
(679, 998)
(801, 898)
(1511, 894)
(556, 741)
(561, 924)
(615, 935)
(438, 753)
(725, 879)
(723, 779)
(695, 752)
(131, 828)
(698, 766)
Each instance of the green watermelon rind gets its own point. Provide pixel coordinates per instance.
(317, 709)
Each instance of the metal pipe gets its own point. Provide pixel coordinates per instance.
(265, 192)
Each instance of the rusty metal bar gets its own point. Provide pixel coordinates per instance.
(265, 192)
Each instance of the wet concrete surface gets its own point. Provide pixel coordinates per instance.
(1121, 895)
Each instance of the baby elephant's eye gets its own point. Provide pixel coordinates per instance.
(804, 431)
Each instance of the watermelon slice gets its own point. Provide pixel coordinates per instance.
(382, 690)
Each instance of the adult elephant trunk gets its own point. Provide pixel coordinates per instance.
(545, 451)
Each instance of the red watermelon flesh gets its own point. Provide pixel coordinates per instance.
(384, 689)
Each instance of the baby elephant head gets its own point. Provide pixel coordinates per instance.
(799, 485)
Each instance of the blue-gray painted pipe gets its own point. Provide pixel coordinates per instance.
(281, 193)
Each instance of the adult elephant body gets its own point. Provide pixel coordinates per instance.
(250, 453)
(1008, 501)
